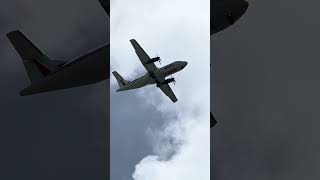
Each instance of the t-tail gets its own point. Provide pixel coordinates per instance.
(122, 82)
(37, 64)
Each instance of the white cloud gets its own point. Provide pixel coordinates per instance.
(191, 160)
(176, 30)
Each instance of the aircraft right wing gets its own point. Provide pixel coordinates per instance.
(168, 91)
(143, 56)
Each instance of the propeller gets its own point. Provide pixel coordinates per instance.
(157, 56)
(174, 80)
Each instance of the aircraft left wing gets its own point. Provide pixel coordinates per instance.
(143, 56)
(168, 91)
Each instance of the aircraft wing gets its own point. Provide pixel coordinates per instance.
(143, 56)
(168, 91)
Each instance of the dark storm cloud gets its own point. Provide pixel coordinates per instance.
(266, 94)
(58, 135)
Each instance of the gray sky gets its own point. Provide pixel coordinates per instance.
(266, 71)
(58, 135)
(130, 118)
(170, 137)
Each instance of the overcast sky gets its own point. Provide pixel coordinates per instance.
(58, 135)
(161, 140)
(266, 91)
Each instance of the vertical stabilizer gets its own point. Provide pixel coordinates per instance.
(121, 81)
(35, 62)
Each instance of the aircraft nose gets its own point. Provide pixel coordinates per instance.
(185, 64)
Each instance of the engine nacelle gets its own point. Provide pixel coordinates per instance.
(155, 59)
(167, 81)
(152, 60)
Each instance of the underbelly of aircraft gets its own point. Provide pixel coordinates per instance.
(138, 83)
(89, 71)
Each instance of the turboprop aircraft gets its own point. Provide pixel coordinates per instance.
(154, 74)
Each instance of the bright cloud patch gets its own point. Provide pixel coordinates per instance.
(191, 161)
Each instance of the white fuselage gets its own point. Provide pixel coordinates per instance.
(156, 77)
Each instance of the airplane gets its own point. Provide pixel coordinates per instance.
(154, 75)
(49, 75)
(225, 13)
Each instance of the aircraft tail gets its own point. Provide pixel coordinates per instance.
(122, 82)
(37, 64)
